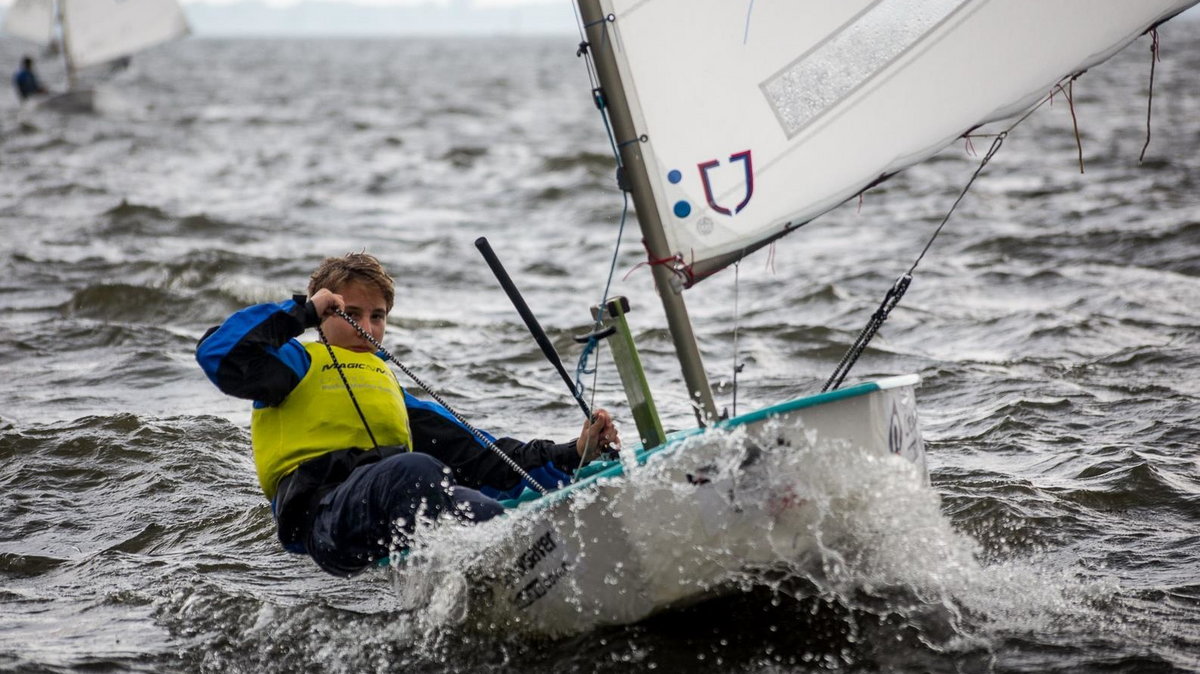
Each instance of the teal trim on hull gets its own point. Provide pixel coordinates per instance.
(599, 470)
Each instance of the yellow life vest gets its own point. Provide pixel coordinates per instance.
(318, 415)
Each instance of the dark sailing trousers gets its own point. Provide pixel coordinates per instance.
(374, 511)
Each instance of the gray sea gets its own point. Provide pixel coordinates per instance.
(1055, 323)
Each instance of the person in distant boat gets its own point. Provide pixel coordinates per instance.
(348, 459)
(26, 81)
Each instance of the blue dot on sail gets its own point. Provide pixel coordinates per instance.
(682, 209)
(675, 176)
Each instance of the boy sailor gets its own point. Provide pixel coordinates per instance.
(348, 459)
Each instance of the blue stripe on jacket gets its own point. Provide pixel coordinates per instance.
(212, 352)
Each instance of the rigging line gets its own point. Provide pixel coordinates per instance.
(579, 25)
(337, 366)
(595, 379)
(593, 342)
(602, 106)
(587, 445)
(487, 442)
(597, 90)
(583, 50)
(997, 140)
(616, 253)
(581, 367)
(896, 292)
(737, 266)
(868, 332)
(1154, 57)
(612, 267)
(604, 19)
(996, 143)
(746, 34)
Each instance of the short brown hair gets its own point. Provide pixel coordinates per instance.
(335, 272)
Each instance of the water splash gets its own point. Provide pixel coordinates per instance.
(806, 520)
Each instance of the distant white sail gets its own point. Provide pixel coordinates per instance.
(31, 20)
(104, 30)
(760, 116)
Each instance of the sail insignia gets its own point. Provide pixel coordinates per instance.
(748, 168)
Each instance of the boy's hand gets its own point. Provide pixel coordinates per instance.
(325, 301)
(598, 435)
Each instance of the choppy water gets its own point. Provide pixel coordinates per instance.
(1054, 323)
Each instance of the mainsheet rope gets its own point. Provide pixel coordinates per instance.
(479, 435)
(900, 286)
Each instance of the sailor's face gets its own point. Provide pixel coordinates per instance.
(365, 304)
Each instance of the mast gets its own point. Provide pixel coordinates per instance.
(63, 42)
(669, 288)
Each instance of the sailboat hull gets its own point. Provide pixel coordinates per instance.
(72, 101)
(693, 519)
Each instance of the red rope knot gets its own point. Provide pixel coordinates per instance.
(675, 263)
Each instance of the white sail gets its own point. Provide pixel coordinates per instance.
(104, 30)
(760, 116)
(31, 20)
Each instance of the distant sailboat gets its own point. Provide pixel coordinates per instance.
(93, 32)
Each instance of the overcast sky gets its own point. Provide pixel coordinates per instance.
(251, 18)
(480, 3)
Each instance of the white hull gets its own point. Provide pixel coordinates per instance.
(686, 525)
